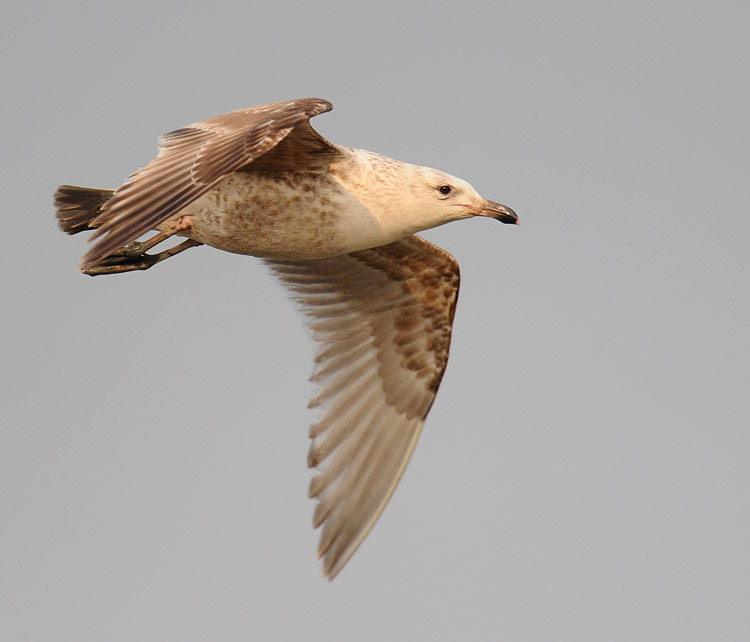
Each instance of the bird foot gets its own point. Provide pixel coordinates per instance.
(134, 257)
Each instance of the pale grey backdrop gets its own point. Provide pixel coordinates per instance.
(583, 475)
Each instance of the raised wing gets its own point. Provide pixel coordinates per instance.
(190, 162)
(382, 318)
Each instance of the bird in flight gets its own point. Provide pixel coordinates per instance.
(336, 225)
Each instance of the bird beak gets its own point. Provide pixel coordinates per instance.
(499, 212)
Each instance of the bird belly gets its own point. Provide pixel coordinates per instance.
(293, 215)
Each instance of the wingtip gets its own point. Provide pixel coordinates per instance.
(92, 257)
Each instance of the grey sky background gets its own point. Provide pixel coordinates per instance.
(583, 475)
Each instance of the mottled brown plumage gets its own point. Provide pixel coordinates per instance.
(191, 161)
(383, 330)
(336, 226)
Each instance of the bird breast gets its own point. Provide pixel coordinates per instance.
(292, 215)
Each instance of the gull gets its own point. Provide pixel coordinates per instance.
(336, 225)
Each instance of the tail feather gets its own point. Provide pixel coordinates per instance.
(77, 208)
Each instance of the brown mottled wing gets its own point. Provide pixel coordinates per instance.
(190, 162)
(382, 318)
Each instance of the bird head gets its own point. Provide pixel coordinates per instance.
(456, 199)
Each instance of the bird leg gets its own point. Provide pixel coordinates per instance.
(134, 256)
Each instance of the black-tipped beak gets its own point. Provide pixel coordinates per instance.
(499, 212)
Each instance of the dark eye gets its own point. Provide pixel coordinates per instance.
(445, 189)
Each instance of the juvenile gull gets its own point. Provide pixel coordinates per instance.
(337, 227)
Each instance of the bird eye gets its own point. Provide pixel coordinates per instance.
(445, 189)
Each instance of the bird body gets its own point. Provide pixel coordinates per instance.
(336, 226)
(315, 214)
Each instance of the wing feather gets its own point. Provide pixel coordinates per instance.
(191, 161)
(382, 320)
